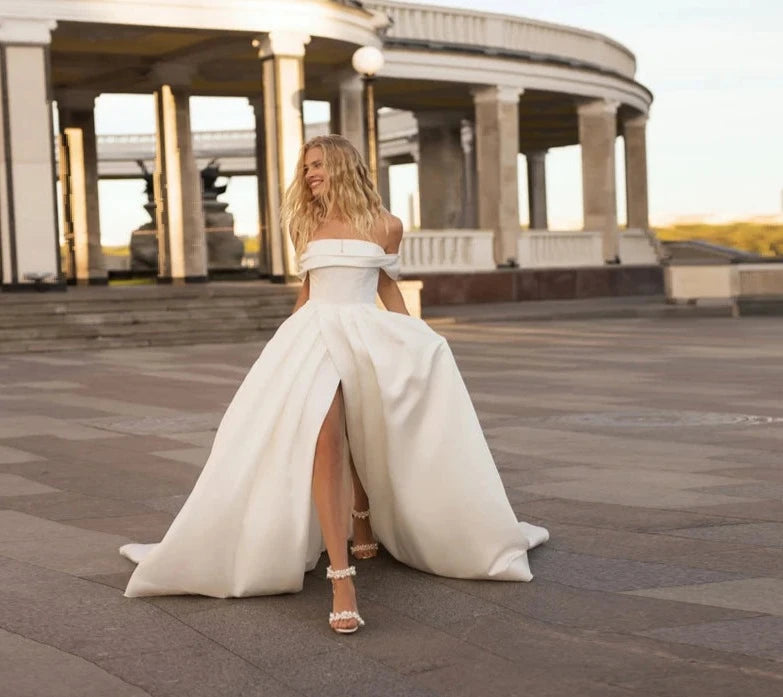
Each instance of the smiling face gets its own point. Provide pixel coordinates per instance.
(315, 174)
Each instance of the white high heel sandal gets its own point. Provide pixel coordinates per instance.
(339, 574)
(370, 547)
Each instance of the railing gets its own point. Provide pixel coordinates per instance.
(538, 249)
(397, 138)
(464, 28)
(636, 247)
(733, 283)
(429, 251)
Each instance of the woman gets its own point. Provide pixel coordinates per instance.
(342, 387)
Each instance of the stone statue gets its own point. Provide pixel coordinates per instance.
(224, 249)
(144, 240)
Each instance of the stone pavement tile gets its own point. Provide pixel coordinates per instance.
(116, 449)
(764, 595)
(201, 439)
(769, 474)
(14, 485)
(629, 493)
(519, 497)
(190, 456)
(300, 649)
(646, 477)
(84, 618)
(111, 405)
(617, 517)
(551, 399)
(196, 377)
(107, 481)
(759, 510)
(203, 670)
(221, 368)
(493, 676)
(67, 506)
(518, 477)
(412, 593)
(31, 425)
(762, 534)
(32, 669)
(716, 682)
(63, 548)
(160, 426)
(142, 527)
(144, 394)
(516, 462)
(41, 406)
(66, 360)
(667, 549)
(12, 456)
(755, 636)
(548, 651)
(118, 580)
(409, 646)
(345, 672)
(762, 458)
(760, 440)
(258, 630)
(47, 385)
(603, 450)
(757, 490)
(596, 573)
(166, 504)
(134, 476)
(554, 603)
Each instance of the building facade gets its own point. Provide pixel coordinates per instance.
(481, 87)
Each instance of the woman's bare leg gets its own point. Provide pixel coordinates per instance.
(362, 530)
(331, 503)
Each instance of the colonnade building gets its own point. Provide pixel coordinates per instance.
(482, 89)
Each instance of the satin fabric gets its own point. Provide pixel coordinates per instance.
(437, 503)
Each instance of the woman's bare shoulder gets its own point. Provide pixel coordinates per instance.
(390, 231)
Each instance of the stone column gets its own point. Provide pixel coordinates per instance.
(79, 188)
(634, 135)
(182, 244)
(349, 112)
(441, 170)
(468, 141)
(597, 133)
(384, 185)
(536, 189)
(497, 147)
(29, 244)
(282, 67)
(264, 243)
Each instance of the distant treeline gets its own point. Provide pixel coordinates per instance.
(761, 238)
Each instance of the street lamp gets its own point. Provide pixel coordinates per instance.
(367, 61)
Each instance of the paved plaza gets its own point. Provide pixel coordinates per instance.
(651, 449)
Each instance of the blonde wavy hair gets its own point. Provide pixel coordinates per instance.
(349, 194)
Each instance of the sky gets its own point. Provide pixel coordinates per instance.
(714, 138)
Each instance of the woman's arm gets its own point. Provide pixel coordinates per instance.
(390, 294)
(304, 294)
(388, 290)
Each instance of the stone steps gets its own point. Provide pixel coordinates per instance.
(149, 316)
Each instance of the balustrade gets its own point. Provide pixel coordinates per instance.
(428, 251)
(453, 27)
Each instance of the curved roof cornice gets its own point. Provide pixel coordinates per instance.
(496, 34)
(333, 20)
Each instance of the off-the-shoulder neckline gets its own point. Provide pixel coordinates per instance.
(346, 239)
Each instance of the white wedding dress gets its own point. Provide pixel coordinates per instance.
(249, 527)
